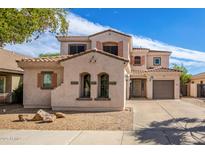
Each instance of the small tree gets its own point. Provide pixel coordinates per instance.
(26, 24)
(17, 95)
(185, 76)
(49, 54)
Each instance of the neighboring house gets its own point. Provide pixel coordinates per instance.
(10, 74)
(196, 87)
(98, 73)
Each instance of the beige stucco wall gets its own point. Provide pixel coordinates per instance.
(164, 59)
(35, 97)
(193, 86)
(113, 37)
(142, 52)
(64, 96)
(163, 76)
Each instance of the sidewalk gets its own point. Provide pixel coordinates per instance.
(8, 137)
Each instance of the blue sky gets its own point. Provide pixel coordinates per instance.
(180, 30)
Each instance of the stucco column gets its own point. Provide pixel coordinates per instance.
(149, 87)
(127, 87)
(94, 86)
(177, 89)
(193, 89)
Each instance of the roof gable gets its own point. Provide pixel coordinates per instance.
(98, 51)
(8, 61)
(110, 30)
(67, 57)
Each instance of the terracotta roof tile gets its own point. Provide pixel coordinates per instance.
(162, 69)
(8, 61)
(44, 59)
(66, 57)
(139, 48)
(138, 71)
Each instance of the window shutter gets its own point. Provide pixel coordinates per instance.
(143, 60)
(39, 80)
(54, 80)
(132, 58)
(120, 49)
(99, 45)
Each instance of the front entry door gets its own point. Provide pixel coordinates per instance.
(137, 88)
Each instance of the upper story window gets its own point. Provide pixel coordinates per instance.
(76, 48)
(157, 61)
(137, 60)
(111, 48)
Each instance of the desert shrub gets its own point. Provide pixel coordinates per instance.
(17, 96)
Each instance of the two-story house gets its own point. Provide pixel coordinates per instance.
(98, 73)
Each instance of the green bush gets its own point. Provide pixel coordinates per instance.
(17, 96)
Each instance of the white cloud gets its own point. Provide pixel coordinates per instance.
(176, 51)
(80, 26)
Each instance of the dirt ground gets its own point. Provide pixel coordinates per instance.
(119, 120)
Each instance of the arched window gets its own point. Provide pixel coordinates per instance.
(85, 85)
(103, 90)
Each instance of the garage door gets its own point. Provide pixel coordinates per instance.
(163, 89)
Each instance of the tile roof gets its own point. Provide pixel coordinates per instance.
(66, 57)
(8, 61)
(159, 51)
(139, 48)
(138, 71)
(161, 69)
(198, 76)
(44, 59)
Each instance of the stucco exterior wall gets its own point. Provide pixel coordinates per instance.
(35, 97)
(65, 96)
(164, 60)
(163, 76)
(193, 86)
(113, 37)
(140, 53)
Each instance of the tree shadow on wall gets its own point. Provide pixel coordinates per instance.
(173, 131)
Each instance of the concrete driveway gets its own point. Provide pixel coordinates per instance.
(155, 122)
(168, 122)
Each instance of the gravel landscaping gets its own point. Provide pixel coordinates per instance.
(119, 120)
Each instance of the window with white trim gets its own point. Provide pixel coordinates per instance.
(157, 61)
